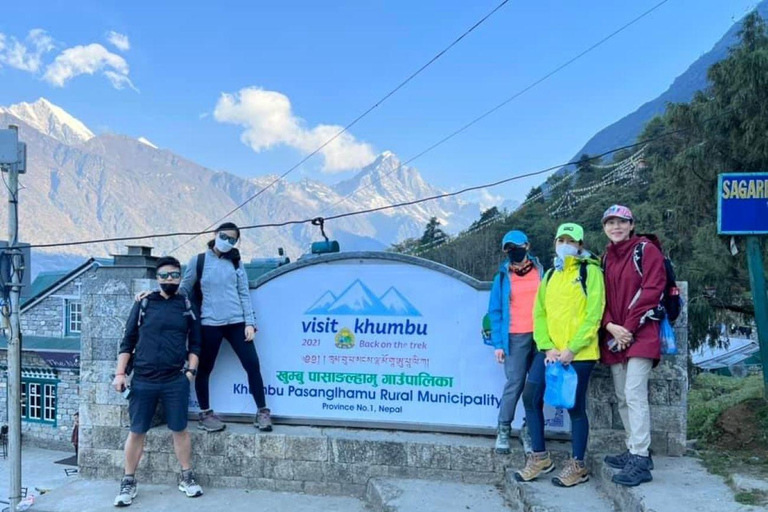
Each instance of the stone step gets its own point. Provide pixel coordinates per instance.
(98, 496)
(679, 483)
(410, 495)
(543, 496)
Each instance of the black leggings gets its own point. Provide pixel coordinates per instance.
(246, 352)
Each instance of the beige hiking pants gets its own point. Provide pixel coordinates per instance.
(631, 382)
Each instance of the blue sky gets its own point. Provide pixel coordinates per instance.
(331, 60)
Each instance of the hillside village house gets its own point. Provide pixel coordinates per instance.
(53, 314)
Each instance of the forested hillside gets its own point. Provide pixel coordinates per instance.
(670, 186)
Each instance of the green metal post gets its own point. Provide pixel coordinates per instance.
(760, 298)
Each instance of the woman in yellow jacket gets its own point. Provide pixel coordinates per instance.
(567, 314)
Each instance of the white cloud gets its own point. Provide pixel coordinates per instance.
(88, 60)
(120, 41)
(27, 55)
(269, 121)
(486, 199)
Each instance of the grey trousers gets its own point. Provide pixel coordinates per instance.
(516, 365)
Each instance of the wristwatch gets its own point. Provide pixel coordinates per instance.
(193, 371)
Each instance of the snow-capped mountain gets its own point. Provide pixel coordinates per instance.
(51, 120)
(82, 186)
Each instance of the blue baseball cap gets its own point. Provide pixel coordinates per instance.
(514, 237)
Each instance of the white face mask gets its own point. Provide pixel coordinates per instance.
(222, 245)
(565, 250)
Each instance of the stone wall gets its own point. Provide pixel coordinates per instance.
(40, 434)
(48, 316)
(320, 459)
(668, 390)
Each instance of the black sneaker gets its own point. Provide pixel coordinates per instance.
(636, 472)
(620, 460)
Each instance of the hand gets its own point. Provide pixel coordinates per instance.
(119, 383)
(499, 353)
(622, 335)
(552, 356)
(142, 295)
(250, 332)
(566, 357)
(189, 376)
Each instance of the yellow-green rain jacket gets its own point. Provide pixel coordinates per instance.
(564, 316)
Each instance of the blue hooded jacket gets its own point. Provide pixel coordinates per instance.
(498, 306)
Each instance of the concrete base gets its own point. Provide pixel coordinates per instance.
(98, 496)
(398, 495)
(328, 461)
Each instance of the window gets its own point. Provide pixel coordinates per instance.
(35, 405)
(74, 317)
(38, 401)
(49, 407)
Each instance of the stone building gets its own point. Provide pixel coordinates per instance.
(53, 318)
(51, 323)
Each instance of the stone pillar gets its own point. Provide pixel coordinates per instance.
(107, 295)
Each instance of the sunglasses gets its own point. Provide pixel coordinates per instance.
(169, 275)
(229, 239)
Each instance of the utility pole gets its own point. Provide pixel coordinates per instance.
(760, 298)
(13, 161)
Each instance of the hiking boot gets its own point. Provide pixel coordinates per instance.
(263, 420)
(128, 490)
(535, 464)
(210, 422)
(619, 461)
(574, 473)
(189, 486)
(635, 472)
(502, 439)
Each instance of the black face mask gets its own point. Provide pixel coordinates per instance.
(517, 254)
(169, 288)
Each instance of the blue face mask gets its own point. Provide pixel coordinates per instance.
(565, 250)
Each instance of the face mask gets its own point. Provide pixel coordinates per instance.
(169, 288)
(517, 254)
(222, 245)
(566, 250)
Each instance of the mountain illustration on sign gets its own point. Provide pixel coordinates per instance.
(358, 299)
(321, 305)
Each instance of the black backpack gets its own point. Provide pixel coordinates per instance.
(671, 303)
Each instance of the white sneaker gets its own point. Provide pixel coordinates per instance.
(128, 491)
(189, 486)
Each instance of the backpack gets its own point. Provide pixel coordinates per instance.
(197, 291)
(582, 275)
(671, 303)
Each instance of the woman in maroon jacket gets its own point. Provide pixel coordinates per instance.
(634, 283)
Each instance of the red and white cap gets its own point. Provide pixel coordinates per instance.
(618, 211)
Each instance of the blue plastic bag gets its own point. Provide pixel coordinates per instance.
(668, 340)
(561, 385)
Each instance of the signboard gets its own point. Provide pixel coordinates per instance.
(372, 341)
(742, 203)
(60, 359)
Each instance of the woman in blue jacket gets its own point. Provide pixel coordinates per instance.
(511, 313)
